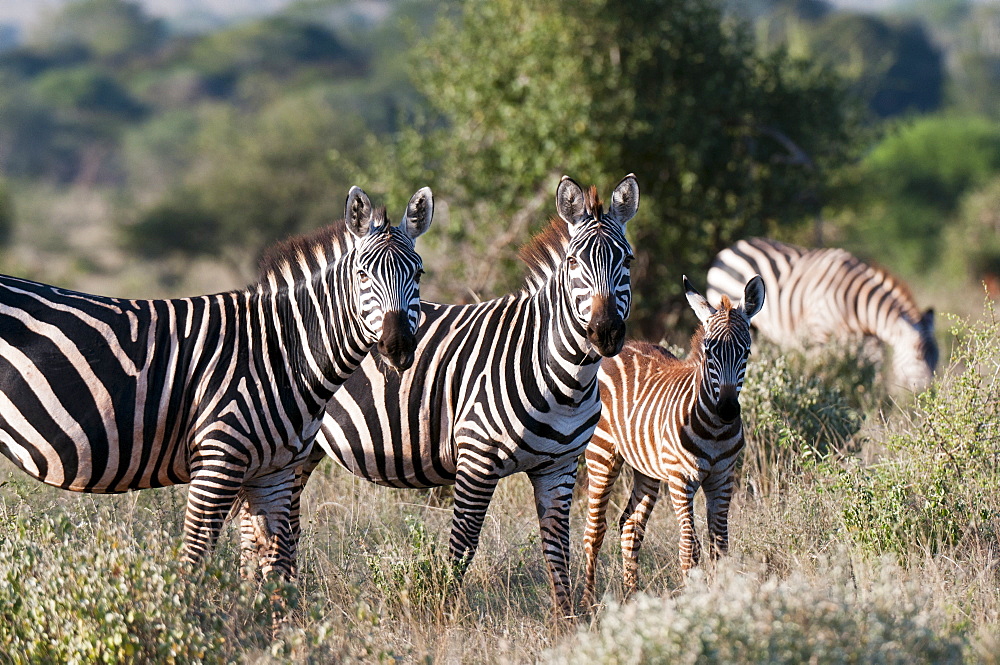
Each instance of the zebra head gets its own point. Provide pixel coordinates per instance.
(725, 345)
(387, 273)
(915, 352)
(596, 268)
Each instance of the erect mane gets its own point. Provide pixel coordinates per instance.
(547, 249)
(696, 352)
(312, 251)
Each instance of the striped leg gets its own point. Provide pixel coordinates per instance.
(553, 496)
(645, 491)
(211, 494)
(473, 494)
(253, 540)
(718, 495)
(268, 501)
(603, 467)
(682, 496)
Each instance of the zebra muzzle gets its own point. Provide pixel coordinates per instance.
(606, 331)
(398, 343)
(728, 407)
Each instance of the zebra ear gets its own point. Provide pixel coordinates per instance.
(753, 296)
(697, 301)
(419, 212)
(570, 202)
(358, 214)
(625, 199)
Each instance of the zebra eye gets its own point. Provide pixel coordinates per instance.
(416, 278)
(571, 261)
(628, 261)
(363, 277)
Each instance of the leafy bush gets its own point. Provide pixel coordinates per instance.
(749, 618)
(936, 486)
(798, 408)
(64, 601)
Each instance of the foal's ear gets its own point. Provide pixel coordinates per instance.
(358, 213)
(625, 199)
(753, 296)
(570, 202)
(697, 301)
(419, 212)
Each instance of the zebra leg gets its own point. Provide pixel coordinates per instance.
(302, 475)
(603, 467)
(254, 534)
(211, 493)
(553, 496)
(268, 502)
(717, 498)
(473, 494)
(682, 497)
(645, 491)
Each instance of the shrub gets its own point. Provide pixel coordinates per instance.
(750, 618)
(798, 408)
(936, 484)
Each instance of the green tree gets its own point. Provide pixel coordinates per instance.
(725, 143)
(256, 178)
(106, 28)
(912, 183)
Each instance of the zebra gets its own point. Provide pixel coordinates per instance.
(504, 386)
(676, 421)
(824, 295)
(224, 392)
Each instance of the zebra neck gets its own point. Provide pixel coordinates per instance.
(315, 338)
(568, 362)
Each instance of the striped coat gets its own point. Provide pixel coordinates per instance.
(224, 392)
(504, 386)
(673, 421)
(820, 296)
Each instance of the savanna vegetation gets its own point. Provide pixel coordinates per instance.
(142, 158)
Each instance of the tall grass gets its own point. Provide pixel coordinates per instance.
(864, 530)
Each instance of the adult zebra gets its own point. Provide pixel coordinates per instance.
(676, 421)
(504, 386)
(224, 392)
(822, 295)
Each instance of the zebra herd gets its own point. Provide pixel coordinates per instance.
(242, 394)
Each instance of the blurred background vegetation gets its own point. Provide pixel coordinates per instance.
(146, 150)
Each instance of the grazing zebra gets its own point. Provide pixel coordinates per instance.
(224, 392)
(676, 421)
(504, 386)
(823, 295)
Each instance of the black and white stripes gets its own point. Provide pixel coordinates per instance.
(224, 392)
(504, 386)
(823, 295)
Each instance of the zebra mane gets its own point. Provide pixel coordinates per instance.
(312, 251)
(546, 250)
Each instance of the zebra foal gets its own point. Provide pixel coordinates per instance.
(500, 387)
(224, 392)
(822, 295)
(672, 420)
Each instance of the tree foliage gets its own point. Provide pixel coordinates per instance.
(725, 143)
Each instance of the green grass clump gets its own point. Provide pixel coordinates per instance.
(746, 617)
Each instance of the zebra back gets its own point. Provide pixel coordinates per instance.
(822, 295)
